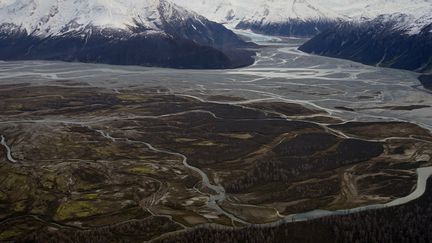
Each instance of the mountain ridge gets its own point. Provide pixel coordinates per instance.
(282, 17)
(377, 42)
(98, 31)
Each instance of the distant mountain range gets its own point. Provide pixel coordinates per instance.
(190, 34)
(389, 33)
(277, 17)
(392, 33)
(377, 42)
(304, 17)
(127, 32)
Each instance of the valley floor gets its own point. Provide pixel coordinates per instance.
(106, 153)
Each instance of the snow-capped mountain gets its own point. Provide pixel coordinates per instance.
(228, 12)
(268, 11)
(161, 33)
(384, 41)
(291, 18)
(411, 16)
(147, 32)
(279, 17)
(297, 17)
(279, 11)
(390, 33)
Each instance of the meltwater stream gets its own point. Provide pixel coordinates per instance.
(8, 150)
(281, 73)
(423, 175)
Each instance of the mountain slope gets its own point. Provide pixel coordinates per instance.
(148, 32)
(279, 17)
(307, 17)
(300, 18)
(391, 40)
(222, 11)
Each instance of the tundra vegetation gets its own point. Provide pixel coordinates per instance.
(81, 163)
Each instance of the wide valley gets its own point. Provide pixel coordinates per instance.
(140, 153)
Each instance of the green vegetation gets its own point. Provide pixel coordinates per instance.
(76, 173)
(77, 209)
(141, 170)
(8, 234)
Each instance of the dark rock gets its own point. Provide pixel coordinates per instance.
(194, 44)
(426, 81)
(375, 43)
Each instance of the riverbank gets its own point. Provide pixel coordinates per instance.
(408, 222)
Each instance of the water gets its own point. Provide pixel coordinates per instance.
(423, 176)
(8, 150)
(281, 72)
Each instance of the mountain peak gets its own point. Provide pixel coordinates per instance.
(259, 14)
(128, 32)
(54, 17)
